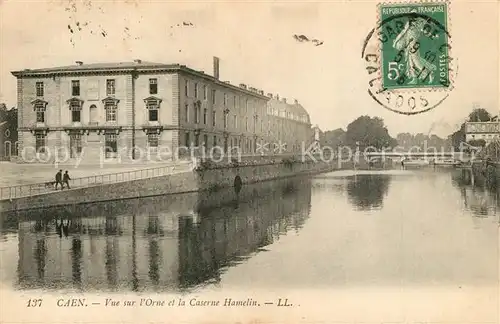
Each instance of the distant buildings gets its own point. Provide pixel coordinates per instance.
(96, 109)
(487, 131)
(8, 133)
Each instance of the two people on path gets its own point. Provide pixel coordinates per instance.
(62, 179)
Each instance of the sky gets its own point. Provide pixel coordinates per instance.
(255, 44)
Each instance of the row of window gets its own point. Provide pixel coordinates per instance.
(196, 113)
(111, 143)
(110, 87)
(204, 94)
(111, 114)
(76, 115)
(285, 114)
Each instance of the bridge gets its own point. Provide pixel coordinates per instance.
(462, 155)
(454, 155)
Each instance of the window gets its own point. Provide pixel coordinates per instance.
(235, 102)
(214, 115)
(196, 114)
(196, 90)
(246, 106)
(110, 112)
(75, 88)
(225, 99)
(40, 116)
(205, 116)
(246, 124)
(75, 143)
(215, 141)
(75, 106)
(196, 140)
(153, 86)
(187, 140)
(225, 119)
(186, 113)
(213, 96)
(205, 141)
(93, 115)
(111, 145)
(235, 121)
(186, 88)
(205, 92)
(153, 114)
(153, 141)
(110, 87)
(152, 105)
(76, 116)
(39, 89)
(40, 143)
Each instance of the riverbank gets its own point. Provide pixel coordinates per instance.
(201, 176)
(13, 174)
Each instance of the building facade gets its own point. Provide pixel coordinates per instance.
(8, 133)
(487, 131)
(94, 111)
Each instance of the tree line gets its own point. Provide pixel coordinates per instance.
(366, 131)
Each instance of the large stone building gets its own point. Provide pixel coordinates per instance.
(91, 111)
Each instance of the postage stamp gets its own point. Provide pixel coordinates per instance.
(415, 53)
(408, 56)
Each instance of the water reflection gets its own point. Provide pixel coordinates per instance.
(480, 200)
(160, 243)
(367, 191)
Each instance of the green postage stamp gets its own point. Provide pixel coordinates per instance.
(414, 45)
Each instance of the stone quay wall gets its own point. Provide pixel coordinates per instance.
(205, 176)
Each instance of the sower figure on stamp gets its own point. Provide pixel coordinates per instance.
(66, 179)
(59, 179)
(408, 43)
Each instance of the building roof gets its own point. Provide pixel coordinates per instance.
(295, 108)
(146, 66)
(129, 67)
(97, 67)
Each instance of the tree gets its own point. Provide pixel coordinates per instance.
(333, 138)
(479, 115)
(368, 131)
(477, 142)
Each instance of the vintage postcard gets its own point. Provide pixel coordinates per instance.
(249, 161)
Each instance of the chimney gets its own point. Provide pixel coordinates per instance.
(216, 67)
(79, 63)
(138, 61)
(269, 94)
(296, 102)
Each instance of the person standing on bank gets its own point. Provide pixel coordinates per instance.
(59, 179)
(66, 179)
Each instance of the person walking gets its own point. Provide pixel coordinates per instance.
(66, 179)
(59, 179)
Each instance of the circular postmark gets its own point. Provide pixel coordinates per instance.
(407, 57)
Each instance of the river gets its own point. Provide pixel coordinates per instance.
(345, 229)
